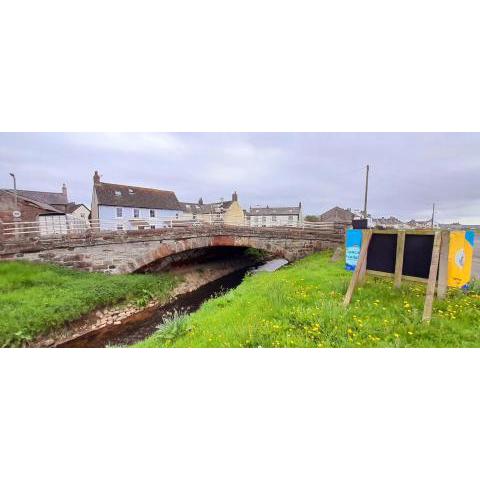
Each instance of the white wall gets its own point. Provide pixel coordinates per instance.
(109, 219)
(268, 220)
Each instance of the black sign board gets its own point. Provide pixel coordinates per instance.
(360, 224)
(382, 253)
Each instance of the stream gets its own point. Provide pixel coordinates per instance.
(148, 322)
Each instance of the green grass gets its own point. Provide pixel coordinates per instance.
(36, 298)
(301, 306)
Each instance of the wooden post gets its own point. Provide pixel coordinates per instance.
(443, 266)
(432, 278)
(362, 276)
(399, 260)
(362, 262)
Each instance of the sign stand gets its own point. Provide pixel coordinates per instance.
(432, 278)
(438, 267)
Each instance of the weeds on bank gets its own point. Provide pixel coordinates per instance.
(301, 306)
(35, 298)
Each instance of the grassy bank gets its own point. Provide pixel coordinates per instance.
(36, 298)
(301, 306)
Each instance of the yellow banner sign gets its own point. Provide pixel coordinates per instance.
(460, 258)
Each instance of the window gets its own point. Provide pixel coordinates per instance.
(119, 227)
(194, 216)
(152, 213)
(274, 218)
(118, 193)
(136, 213)
(264, 219)
(141, 228)
(152, 227)
(130, 191)
(290, 218)
(119, 212)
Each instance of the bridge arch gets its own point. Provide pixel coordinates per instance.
(166, 250)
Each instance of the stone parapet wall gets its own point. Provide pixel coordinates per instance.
(127, 252)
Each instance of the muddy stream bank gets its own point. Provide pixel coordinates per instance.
(207, 276)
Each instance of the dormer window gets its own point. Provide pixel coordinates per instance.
(118, 193)
(130, 191)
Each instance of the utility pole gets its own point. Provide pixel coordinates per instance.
(366, 193)
(433, 216)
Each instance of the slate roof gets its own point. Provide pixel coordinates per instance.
(71, 207)
(49, 198)
(279, 211)
(137, 197)
(338, 214)
(43, 206)
(205, 208)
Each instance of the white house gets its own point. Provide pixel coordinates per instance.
(275, 216)
(78, 210)
(126, 207)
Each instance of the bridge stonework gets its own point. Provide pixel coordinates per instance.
(126, 252)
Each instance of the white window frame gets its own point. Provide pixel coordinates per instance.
(152, 213)
(136, 210)
(119, 209)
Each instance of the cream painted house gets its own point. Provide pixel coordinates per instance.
(218, 212)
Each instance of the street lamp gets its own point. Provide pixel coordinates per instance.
(15, 189)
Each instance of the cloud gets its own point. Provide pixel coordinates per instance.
(149, 143)
(409, 171)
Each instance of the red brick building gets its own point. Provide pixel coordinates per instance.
(30, 209)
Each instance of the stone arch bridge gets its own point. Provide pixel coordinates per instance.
(126, 252)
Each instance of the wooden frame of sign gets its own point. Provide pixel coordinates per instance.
(438, 271)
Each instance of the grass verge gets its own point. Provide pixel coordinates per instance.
(301, 306)
(35, 298)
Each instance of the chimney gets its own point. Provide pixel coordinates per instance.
(64, 191)
(200, 201)
(234, 197)
(96, 178)
(300, 205)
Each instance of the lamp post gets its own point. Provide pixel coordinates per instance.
(15, 218)
(15, 190)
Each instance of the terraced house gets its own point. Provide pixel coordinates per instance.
(275, 216)
(127, 207)
(218, 212)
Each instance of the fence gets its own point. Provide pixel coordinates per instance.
(63, 226)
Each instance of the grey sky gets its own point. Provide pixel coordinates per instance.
(409, 171)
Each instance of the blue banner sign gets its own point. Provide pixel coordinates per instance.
(352, 248)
